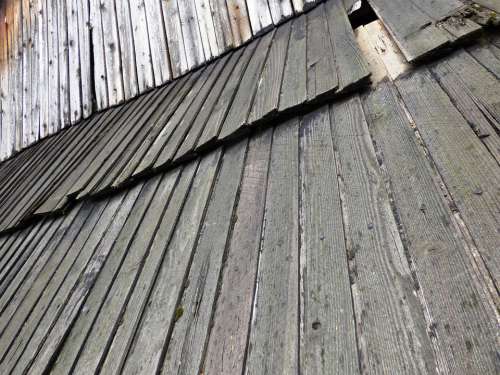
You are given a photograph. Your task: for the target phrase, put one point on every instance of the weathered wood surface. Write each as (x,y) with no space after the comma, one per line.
(325,244)
(421,28)
(63,60)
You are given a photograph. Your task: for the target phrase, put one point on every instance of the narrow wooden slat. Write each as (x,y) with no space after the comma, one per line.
(53,77)
(274,336)
(488,55)
(173,28)
(327,318)
(321,73)
(156,317)
(191,33)
(241,105)
(75,76)
(112,48)
(84,33)
(222,106)
(443,268)
(205,111)
(207,27)
(51,346)
(63,53)
(469,171)
(26,83)
(294,86)
(226,347)
(158,42)
(267,97)
(141,43)
(98,55)
(349,61)
(136,245)
(127,49)
(185,349)
(280,10)
(260,16)
(239,20)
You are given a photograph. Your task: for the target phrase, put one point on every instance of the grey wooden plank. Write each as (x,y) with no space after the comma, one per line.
(135,242)
(186,346)
(327,316)
(294,86)
(28,311)
(26,274)
(412,29)
(40,360)
(351,66)
(266,99)
(488,55)
(118,145)
(139,298)
(226,347)
(181,132)
(9,270)
(50,303)
(189,143)
(391,322)
(221,108)
(438,9)
(199,79)
(321,72)
(442,264)
(483,124)
(273,346)
(481,83)
(468,170)
(151,333)
(241,105)
(15,250)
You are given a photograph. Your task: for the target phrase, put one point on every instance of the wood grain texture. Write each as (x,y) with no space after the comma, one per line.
(274,338)
(328,337)
(468,170)
(441,259)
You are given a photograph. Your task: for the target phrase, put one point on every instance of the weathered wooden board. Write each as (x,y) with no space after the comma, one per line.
(441,258)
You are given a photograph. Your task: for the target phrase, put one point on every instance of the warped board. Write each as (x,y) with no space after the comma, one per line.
(277,254)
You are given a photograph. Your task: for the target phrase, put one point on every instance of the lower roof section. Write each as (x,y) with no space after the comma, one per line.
(360,237)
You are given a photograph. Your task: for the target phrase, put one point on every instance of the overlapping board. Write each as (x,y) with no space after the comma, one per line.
(420,28)
(302,63)
(284,243)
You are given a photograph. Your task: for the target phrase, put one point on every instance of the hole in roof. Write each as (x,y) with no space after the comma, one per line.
(361,13)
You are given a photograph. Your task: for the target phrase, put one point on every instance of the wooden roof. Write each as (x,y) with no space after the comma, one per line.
(274,212)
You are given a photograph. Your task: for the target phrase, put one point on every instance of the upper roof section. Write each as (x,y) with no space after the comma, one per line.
(61,61)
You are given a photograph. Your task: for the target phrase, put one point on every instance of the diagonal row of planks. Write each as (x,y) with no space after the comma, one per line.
(303,249)
(301,63)
(61,60)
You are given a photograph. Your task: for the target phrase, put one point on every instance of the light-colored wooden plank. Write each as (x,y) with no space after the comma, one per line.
(158,42)
(173,28)
(222,25)
(75,76)
(191,33)
(63,52)
(25,61)
(141,43)
(240,22)
(98,55)
(84,33)
(280,10)
(207,29)
(127,49)
(260,16)
(114,71)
